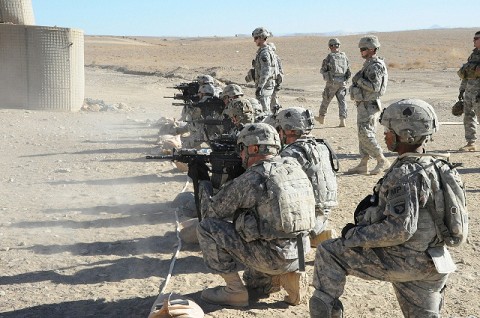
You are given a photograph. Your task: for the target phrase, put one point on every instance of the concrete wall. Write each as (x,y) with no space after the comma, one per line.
(16,12)
(41,67)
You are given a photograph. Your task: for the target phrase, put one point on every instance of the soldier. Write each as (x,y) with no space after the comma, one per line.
(336,72)
(367,86)
(230,92)
(470,94)
(265,69)
(207,107)
(294,126)
(240,111)
(271,196)
(395,237)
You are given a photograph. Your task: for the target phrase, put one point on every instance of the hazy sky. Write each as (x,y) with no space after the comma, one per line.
(227,18)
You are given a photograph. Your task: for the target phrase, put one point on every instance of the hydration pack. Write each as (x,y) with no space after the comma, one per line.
(290,207)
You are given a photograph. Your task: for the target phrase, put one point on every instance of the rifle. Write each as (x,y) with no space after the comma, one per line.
(222,163)
(189,92)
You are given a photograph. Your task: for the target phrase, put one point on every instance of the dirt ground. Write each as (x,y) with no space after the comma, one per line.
(87,228)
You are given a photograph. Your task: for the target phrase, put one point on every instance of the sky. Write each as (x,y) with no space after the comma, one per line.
(195,18)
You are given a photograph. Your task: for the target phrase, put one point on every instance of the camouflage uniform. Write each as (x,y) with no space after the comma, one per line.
(391,242)
(229,246)
(266,71)
(369,84)
(305,151)
(336,85)
(471,85)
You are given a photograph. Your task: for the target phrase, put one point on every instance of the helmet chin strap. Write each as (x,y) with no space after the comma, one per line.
(394,145)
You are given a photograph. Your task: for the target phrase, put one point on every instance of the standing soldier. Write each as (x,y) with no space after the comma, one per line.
(470,94)
(265,69)
(367,86)
(336,72)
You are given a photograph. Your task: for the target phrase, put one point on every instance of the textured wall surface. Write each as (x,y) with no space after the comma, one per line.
(41,67)
(17,12)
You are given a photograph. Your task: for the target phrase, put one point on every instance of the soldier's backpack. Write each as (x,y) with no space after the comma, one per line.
(338,67)
(450,211)
(290,198)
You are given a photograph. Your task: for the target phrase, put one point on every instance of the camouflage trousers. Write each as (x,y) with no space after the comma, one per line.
(418,286)
(266,97)
(224,251)
(471,110)
(334,89)
(367,117)
(274,100)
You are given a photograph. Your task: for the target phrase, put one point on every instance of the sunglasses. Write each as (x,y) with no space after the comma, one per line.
(256,38)
(476,38)
(363,49)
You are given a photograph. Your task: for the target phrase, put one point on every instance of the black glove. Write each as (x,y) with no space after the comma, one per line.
(198,170)
(460,95)
(346,228)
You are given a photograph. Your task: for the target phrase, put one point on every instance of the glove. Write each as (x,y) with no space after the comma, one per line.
(198,170)
(460,95)
(347,228)
(258,91)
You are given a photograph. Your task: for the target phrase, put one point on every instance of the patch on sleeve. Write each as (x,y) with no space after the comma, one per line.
(397,197)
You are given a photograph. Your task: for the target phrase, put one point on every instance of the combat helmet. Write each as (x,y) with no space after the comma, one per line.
(207,89)
(295,118)
(369,41)
(334,42)
(205,79)
(242,109)
(232,90)
(413,120)
(259,134)
(261,32)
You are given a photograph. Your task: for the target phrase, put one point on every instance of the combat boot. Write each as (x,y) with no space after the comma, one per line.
(361,168)
(470,146)
(382,165)
(342,122)
(319,308)
(295,284)
(323,236)
(234,294)
(320,119)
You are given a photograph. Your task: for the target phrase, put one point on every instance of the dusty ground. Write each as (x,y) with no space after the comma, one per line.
(86,224)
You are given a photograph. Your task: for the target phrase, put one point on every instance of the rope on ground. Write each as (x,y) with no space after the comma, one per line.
(179,247)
